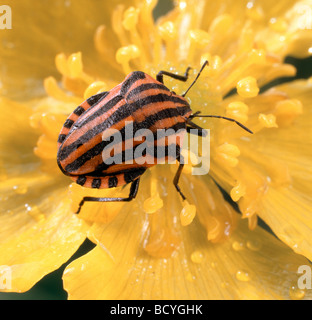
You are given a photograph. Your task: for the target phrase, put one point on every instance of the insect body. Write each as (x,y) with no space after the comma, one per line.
(144,102)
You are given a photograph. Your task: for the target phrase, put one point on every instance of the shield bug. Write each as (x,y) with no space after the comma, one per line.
(144,102)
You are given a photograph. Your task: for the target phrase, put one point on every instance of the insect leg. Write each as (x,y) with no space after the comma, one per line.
(132,194)
(177,176)
(176,180)
(160,75)
(201,132)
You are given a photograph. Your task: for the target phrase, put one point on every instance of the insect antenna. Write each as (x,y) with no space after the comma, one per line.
(200,71)
(197,114)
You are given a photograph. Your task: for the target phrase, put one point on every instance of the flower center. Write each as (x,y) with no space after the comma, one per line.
(239,65)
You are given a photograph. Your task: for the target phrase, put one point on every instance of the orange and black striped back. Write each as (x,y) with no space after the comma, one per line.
(139,102)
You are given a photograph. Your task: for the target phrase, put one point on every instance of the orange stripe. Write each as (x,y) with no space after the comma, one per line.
(141,114)
(112,93)
(146,93)
(166,123)
(91,164)
(147,79)
(85,105)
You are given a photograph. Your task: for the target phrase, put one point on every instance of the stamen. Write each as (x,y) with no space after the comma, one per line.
(146,22)
(75,66)
(53,90)
(117,25)
(256,186)
(243,64)
(247,87)
(154,202)
(45,148)
(61,64)
(49,122)
(287,111)
(71,67)
(94,88)
(129,22)
(168,33)
(238,191)
(221,24)
(228,154)
(157,50)
(187,214)
(215,62)
(130,18)
(267,120)
(103,43)
(190,160)
(199,40)
(99,39)
(125,54)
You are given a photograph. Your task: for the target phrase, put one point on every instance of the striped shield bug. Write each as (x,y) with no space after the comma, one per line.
(144,102)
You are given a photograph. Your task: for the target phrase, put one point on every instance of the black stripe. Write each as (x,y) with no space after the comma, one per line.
(76,164)
(157,152)
(144,87)
(161,115)
(135,76)
(68,123)
(79,111)
(61,138)
(96,183)
(81,180)
(67,150)
(120,114)
(110,104)
(133,174)
(97,97)
(127,109)
(161,97)
(97,149)
(112,182)
(171,150)
(98,174)
(128,154)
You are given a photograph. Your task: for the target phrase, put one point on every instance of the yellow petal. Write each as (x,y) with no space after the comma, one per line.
(288,214)
(262,268)
(56,28)
(42,247)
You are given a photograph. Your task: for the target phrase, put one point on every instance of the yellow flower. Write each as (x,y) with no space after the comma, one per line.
(158,247)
